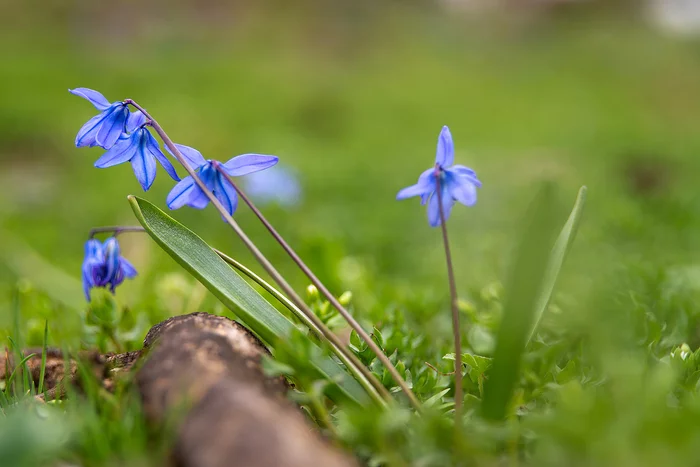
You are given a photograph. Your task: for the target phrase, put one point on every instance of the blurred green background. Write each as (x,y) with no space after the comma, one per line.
(352,95)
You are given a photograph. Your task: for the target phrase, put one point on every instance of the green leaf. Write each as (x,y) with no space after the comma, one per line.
(476,364)
(525,281)
(556,258)
(435,398)
(200,260)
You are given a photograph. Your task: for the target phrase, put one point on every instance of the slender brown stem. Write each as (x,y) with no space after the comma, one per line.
(117,229)
(327,294)
(453,302)
(352,362)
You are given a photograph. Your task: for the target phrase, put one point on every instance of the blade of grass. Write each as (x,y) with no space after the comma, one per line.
(44,350)
(523,287)
(12,375)
(557,257)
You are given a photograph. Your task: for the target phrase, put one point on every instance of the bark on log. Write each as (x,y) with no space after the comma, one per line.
(209,367)
(205,372)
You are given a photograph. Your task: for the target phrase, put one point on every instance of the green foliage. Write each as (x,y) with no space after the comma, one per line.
(519,312)
(609,376)
(250,307)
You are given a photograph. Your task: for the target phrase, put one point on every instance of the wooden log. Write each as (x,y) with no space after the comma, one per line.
(208,369)
(204,373)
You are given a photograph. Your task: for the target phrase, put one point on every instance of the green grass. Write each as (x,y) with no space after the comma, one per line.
(354,100)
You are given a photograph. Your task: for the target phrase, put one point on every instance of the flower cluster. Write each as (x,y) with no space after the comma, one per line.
(457,182)
(104,266)
(105,128)
(124,135)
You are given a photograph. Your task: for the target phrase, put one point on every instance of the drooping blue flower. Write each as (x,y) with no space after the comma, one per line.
(117,268)
(187,192)
(93,266)
(277,185)
(142,150)
(105,128)
(103,266)
(457,182)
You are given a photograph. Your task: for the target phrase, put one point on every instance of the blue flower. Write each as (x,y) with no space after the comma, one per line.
(103,266)
(187,192)
(142,150)
(105,128)
(457,182)
(277,185)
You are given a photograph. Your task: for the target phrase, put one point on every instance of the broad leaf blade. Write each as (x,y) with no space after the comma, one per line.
(523,287)
(556,258)
(233,291)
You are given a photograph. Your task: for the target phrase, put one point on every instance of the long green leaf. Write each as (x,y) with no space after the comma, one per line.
(233,291)
(524,283)
(556,258)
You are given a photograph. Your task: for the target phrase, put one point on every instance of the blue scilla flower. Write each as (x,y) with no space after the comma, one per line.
(103,266)
(142,150)
(188,193)
(278,185)
(457,182)
(105,128)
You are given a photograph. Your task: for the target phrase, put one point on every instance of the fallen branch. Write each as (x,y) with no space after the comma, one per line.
(201,375)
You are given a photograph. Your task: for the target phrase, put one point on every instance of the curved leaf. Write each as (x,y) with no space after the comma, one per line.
(557,256)
(234,292)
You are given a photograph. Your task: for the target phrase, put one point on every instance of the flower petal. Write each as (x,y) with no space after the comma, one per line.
(225,193)
(93,250)
(462,189)
(86,134)
(134,120)
(191,155)
(115,280)
(121,152)
(180,193)
(127,269)
(198,199)
(413,190)
(465,172)
(112,127)
(111,249)
(445,154)
(426,184)
(95,98)
(434,211)
(144,165)
(248,163)
(153,147)
(90,278)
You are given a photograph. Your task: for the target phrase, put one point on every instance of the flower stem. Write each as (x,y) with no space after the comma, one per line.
(359,371)
(117,229)
(453,302)
(327,294)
